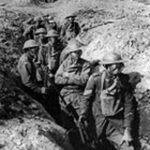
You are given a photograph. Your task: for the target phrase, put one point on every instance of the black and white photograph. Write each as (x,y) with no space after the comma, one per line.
(75,74)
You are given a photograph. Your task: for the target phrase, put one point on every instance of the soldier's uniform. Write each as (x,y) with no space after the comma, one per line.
(49,55)
(73,86)
(110,101)
(27,71)
(70,30)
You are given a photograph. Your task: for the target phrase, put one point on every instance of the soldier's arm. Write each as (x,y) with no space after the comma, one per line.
(81,78)
(87,95)
(128,108)
(26,78)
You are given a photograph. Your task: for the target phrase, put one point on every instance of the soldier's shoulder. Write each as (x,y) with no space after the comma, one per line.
(84,61)
(96,75)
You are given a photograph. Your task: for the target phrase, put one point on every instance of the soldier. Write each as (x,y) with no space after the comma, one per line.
(50,54)
(27,70)
(70,29)
(48,60)
(39,36)
(72,76)
(108,97)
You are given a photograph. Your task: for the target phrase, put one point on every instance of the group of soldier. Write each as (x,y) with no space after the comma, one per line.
(55,75)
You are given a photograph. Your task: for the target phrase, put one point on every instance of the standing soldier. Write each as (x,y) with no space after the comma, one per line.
(108,97)
(27,70)
(72,76)
(39,36)
(48,59)
(49,56)
(70,29)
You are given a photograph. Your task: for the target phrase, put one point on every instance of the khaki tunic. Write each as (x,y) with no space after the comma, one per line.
(73,86)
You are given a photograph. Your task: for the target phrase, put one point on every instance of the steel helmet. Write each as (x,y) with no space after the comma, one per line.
(30,44)
(74,46)
(40,31)
(52,33)
(111,58)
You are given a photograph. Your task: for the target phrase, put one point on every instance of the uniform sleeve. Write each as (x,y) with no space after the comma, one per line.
(25,73)
(128,108)
(81,78)
(59,78)
(88,93)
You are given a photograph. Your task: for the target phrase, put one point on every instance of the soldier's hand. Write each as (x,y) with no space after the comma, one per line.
(44,90)
(127,138)
(83,119)
(72,68)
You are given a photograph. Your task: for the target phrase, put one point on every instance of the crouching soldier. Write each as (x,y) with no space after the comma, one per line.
(70,29)
(27,70)
(72,76)
(109,98)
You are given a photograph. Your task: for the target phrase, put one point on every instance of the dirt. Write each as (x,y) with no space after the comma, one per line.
(107,25)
